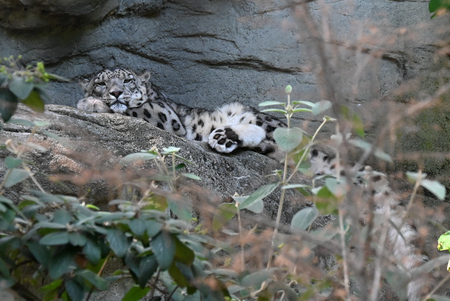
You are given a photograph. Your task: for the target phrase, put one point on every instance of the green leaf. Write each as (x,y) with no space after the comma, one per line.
(62,216)
(94,279)
(294,186)
(258,195)
(326,201)
(16,176)
(77,239)
(178,276)
(74,290)
(225,212)
(444,242)
(304,102)
(117,242)
(41,123)
(55,238)
(62,262)
(147,268)
(8,104)
(136,293)
(3,77)
(337,188)
(288,138)
(415,176)
(255,280)
(178,166)
(191,176)
(20,87)
(137,226)
(378,152)
(256,207)
(57,77)
(321,106)
(434,5)
(301,110)
(40,252)
(21,122)
(6,200)
(12,162)
(132,262)
(182,252)
(138,157)
(6,220)
(303,219)
(398,280)
(52,286)
(92,251)
(93,207)
(34,102)
(170,150)
(164,248)
(153,227)
(275,110)
(271,103)
(351,116)
(434,187)
(181,208)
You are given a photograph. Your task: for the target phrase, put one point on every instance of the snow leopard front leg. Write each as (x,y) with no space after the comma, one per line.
(92,104)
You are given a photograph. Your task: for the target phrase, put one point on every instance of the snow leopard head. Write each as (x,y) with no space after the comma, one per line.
(119,89)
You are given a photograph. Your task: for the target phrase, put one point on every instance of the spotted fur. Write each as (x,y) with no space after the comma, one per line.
(226,128)
(374,185)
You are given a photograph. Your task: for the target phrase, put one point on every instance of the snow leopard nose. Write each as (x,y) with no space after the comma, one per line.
(116,93)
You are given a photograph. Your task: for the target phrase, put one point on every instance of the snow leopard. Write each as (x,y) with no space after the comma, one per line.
(373,186)
(233,126)
(225,129)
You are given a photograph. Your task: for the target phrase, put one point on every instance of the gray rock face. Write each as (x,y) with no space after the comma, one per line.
(206,53)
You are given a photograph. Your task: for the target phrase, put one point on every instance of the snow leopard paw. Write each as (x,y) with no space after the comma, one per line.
(224,140)
(92,104)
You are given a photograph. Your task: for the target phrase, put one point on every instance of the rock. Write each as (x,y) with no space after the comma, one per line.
(86,157)
(204,53)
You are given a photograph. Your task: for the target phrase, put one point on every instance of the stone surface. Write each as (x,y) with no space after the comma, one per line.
(86,158)
(85,153)
(206,53)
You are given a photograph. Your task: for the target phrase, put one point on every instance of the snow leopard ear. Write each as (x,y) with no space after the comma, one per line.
(145,77)
(84,84)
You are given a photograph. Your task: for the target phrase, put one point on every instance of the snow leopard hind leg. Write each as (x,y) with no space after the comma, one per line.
(253,131)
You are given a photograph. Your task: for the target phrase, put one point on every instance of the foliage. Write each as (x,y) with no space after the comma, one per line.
(66,244)
(24,85)
(444,244)
(438,7)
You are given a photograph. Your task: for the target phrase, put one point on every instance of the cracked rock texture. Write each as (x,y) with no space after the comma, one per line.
(206,53)
(86,157)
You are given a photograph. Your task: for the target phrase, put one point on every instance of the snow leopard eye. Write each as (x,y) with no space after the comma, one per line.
(100,86)
(128,80)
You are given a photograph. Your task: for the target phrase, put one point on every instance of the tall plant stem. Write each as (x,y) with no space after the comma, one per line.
(344,254)
(241,238)
(280,208)
(307,150)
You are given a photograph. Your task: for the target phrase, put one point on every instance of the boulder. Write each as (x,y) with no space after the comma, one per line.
(78,154)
